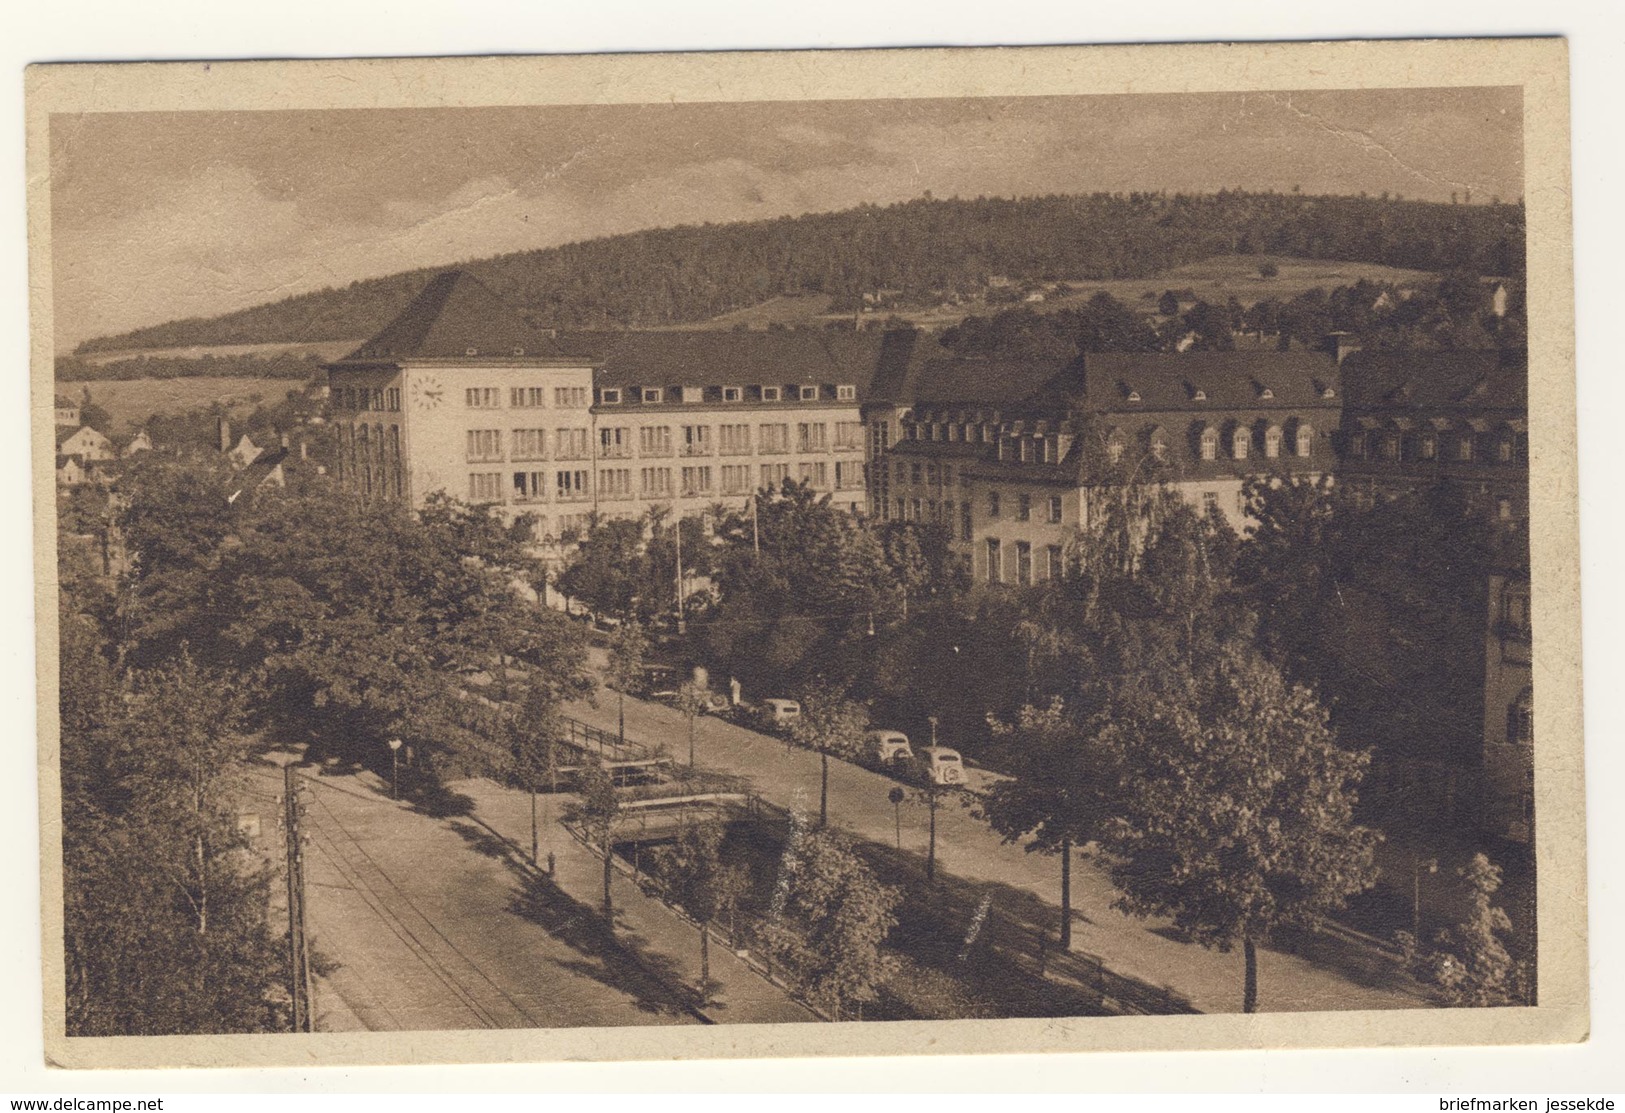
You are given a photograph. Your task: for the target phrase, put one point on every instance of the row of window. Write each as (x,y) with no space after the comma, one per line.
(693,395)
(362,399)
(574,485)
(485,445)
(525,397)
(1504,448)
(1023,572)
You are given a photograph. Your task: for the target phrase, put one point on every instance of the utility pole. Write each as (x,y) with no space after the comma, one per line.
(682,626)
(298,942)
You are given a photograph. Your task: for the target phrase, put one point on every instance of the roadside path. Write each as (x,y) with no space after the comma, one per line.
(967,848)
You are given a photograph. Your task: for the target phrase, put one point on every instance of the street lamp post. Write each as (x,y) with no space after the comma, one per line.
(394,768)
(896,798)
(1418,865)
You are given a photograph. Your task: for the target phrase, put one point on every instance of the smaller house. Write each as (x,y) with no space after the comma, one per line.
(141,442)
(245,453)
(86,443)
(67,412)
(70,470)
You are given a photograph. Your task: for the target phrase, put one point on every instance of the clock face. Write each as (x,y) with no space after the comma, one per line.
(427,392)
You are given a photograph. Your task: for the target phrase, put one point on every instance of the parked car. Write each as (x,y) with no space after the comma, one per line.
(889,746)
(657,682)
(942,766)
(780,713)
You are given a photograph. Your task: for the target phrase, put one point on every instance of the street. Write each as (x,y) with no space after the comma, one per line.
(967,848)
(431,927)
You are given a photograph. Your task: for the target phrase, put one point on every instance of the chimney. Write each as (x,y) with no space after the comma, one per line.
(225,433)
(284,440)
(304,447)
(1342,345)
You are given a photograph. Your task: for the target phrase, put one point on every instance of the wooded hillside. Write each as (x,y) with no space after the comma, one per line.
(922,247)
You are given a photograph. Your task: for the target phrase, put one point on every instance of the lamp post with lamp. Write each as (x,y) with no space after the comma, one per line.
(394,768)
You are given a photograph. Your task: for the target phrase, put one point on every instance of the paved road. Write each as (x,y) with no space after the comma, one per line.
(434,928)
(967,848)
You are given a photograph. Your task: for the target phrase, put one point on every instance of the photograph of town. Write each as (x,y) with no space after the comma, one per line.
(792,562)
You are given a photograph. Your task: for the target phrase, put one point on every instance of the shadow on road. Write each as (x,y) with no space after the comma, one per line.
(612,958)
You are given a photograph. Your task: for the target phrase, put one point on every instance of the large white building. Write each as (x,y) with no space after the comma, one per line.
(460,394)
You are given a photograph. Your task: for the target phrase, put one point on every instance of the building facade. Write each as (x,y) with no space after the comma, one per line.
(1010,456)
(459,394)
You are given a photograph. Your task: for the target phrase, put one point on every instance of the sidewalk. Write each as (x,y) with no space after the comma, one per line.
(664,940)
(1027,885)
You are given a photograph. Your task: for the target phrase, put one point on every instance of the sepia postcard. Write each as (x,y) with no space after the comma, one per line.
(885,552)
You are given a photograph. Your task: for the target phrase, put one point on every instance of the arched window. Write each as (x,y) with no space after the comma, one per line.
(1306,440)
(1428,446)
(1240,440)
(1521,719)
(1272,441)
(1390,446)
(1159,445)
(1464,446)
(1210,444)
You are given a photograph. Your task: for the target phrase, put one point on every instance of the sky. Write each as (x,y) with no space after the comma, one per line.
(157,216)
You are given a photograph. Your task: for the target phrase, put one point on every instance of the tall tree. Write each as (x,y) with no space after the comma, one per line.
(829,724)
(1238,817)
(165,924)
(707,887)
(832,921)
(598,811)
(1059,793)
(627,647)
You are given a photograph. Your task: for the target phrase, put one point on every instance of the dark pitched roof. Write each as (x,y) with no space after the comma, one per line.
(1210,380)
(1486,379)
(973,381)
(715,358)
(457,317)
(904,356)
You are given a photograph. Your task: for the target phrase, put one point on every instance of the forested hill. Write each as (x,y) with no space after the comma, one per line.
(923,247)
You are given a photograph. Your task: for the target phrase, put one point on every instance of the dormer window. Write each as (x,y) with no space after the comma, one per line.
(1210,444)
(1240,442)
(733,394)
(771,393)
(1328,392)
(1114,447)
(846,392)
(654,395)
(519,351)
(1306,440)
(809,394)
(1266,394)
(610,396)
(692,394)
(1199,395)
(471,351)
(1133,396)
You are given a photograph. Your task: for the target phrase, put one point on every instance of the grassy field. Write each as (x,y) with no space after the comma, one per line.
(1214,280)
(131,402)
